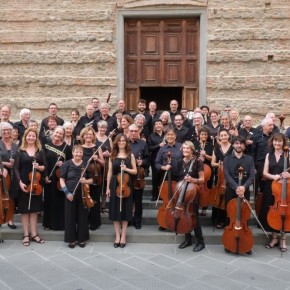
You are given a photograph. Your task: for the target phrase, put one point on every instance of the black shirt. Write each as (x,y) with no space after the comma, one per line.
(248,135)
(44,123)
(184,167)
(140,147)
(182,134)
(112,123)
(153,144)
(260,146)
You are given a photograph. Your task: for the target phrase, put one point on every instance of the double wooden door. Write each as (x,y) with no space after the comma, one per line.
(162,53)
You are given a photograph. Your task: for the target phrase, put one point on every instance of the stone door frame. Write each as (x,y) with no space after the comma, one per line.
(162,13)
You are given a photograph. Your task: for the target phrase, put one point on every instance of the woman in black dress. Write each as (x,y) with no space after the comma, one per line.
(221,150)
(273,170)
(29,205)
(121,158)
(76,212)
(88,141)
(56,152)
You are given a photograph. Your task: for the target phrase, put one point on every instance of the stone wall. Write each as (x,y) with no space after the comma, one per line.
(64,51)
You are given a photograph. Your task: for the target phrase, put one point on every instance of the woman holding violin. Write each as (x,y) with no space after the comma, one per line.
(192,173)
(274,170)
(106,148)
(222,149)
(30,166)
(122,165)
(88,141)
(8,153)
(56,152)
(74,181)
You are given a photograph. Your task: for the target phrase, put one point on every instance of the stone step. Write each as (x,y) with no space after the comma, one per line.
(147,234)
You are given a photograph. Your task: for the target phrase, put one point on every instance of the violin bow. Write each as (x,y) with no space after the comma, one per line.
(108,98)
(31,184)
(88,162)
(121,186)
(57,161)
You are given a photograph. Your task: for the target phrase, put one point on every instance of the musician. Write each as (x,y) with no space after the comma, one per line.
(186,121)
(52,112)
(56,152)
(106,148)
(45,136)
(8,153)
(156,141)
(173,109)
(198,123)
(182,133)
(88,119)
(22,125)
(272,116)
(30,155)
(5,114)
(235,119)
(273,170)
(196,176)
(139,121)
(221,150)
(166,120)
(88,141)
(68,134)
(95,103)
(33,124)
(153,113)
(260,149)
(121,152)
(248,131)
(121,107)
(226,123)
(205,149)
(15,135)
(214,125)
(77,126)
(76,212)
(140,150)
(126,121)
(205,114)
(104,116)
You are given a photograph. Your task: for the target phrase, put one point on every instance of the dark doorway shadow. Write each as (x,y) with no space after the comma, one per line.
(162,96)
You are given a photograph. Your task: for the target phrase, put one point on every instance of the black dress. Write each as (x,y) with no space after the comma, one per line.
(114,206)
(268,199)
(23,166)
(53,215)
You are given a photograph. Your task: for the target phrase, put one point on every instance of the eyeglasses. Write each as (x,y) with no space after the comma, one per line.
(133,130)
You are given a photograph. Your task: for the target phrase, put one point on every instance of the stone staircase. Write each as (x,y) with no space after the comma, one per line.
(149,232)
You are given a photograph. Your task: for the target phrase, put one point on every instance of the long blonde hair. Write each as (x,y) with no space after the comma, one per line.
(24,142)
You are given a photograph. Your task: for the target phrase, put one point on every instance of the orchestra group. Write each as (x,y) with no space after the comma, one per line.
(77,171)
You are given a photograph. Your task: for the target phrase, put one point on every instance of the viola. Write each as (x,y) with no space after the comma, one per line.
(180,216)
(6,203)
(88,202)
(165,193)
(238,237)
(34,187)
(123,189)
(139,181)
(217,192)
(279,214)
(96,170)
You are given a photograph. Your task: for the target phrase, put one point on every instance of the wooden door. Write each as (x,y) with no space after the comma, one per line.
(162,53)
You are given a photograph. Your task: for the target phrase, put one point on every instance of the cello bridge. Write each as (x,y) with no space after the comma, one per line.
(238,228)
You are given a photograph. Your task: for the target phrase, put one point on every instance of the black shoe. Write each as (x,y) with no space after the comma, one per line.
(82,245)
(72,245)
(162,229)
(122,245)
(12,227)
(138,226)
(198,247)
(249,253)
(93,228)
(185,244)
(153,198)
(116,245)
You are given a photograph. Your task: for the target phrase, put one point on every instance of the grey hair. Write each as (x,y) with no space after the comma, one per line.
(24,111)
(102,123)
(266,121)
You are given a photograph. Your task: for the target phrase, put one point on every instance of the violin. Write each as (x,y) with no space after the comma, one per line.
(96,170)
(217,192)
(279,214)
(139,181)
(34,188)
(180,217)
(238,237)
(6,203)
(165,192)
(88,202)
(123,189)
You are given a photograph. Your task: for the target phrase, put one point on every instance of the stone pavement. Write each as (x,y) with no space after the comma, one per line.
(138,266)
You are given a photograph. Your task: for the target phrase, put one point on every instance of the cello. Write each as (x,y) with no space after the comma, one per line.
(165,192)
(204,191)
(279,214)
(6,203)
(238,237)
(180,217)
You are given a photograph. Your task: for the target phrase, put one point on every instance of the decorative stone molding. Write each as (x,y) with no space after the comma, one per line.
(144,3)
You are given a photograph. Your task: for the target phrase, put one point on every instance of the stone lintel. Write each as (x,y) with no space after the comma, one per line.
(147,3)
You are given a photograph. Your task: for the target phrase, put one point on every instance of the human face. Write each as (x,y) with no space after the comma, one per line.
(178,121)
(58,134)
(239,147)
(203,136)
(102,130)
(33,125)
(197,120)
(26,117)
(52,110)
(90,111)
(122,143)
(89,136)
(173,106)
(277,144)
(15,134)
(234,115)
(133,133)
(204,111)
(268,127)
(105,111)
(6,133)
(186,151)
(74,116)
(68,131)
(164,119)
(124,124)
(51,124)
(227,110)
(139,122)
(184,113)
(170,138)
(225,121)
(214,118)
(152,107)
(119,116)
(121,105)
(31,138)
(95,103)
(247,122)
(158,126)
(5,113)
(224,137)
(141,107)
(78,154)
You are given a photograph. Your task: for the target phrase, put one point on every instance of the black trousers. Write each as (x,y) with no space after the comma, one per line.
(76,220)
(155,180)
(95,211)
(137,200)
(260,183)
(197,230)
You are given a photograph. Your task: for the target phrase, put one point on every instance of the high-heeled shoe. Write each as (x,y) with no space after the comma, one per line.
(122,245)
(271,244)
(282,249)
(116,245)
